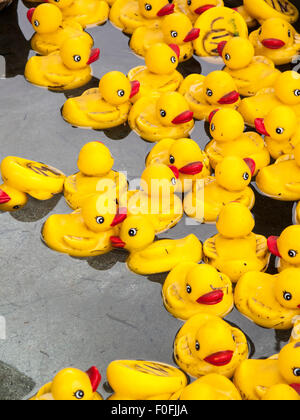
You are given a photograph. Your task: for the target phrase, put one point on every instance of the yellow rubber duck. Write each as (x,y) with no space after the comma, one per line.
(156,198)
(295,335)
(206,344)
(161,116)
(86,12)
(71,385)
(159,74)
(265,9)
(286,91)
(191,288)
(128,15)
(95,174)
(24,177)
(277,40)
(254,378)
(194,8)
(66,69)
(281,392)
(175,29)
(236,250)
(229,139)
(281,180)
(249,72)
(148,257)
(212,387)
(144,380)
(87,231)
(269,301)
(206,93)
(230,183)
(104,107)
(51,30)
(216,25)
(286,247)
(185,158)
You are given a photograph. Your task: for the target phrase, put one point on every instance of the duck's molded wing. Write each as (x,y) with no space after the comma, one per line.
(209,248)
(159,249)
(80,243)
(261,246)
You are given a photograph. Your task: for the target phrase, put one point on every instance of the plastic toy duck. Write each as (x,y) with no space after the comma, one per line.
(95,174)
(236,250)
(262,10)
(148,257)
(161,116)
(249,72)
(156,198)
(175,29)
(286,247)
(286,91)
(206,93)
(129,15)
(66,69)
(281,180)
(24,177)
(192,288)
(143,380)
(216,25)
(194,8)
(104,107)
(270,301)
(277,40)
(212,387)
(227,129)
(51,31)
(281,392)
(85,12)
(71,385)
(159,74)
(254,378)
(87,231)
(185,157)
(230,183)
(206,344)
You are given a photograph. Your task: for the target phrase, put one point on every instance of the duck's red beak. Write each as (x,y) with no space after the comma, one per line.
(212,298)
(230,98)
(94,56)
(252,165)
(183,118)
(95,377)
(120,216)
(4,198)
(260,127)
(221,47)
(222,358)
(273,43)
(135,88)
(204,8)
(272,245)
(296,387)
(176,49)
(192,168)
(168,9)
(117,242)
(192,35)
(174,170)
(212,114)
(30,14)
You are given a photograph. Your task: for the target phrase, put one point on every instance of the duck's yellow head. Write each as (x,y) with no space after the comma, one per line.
(226,125)
(74,385)
(287,245)
(281,392)
(287,88)
(173,109)
(116,89)
(178,29)
(95,159)
(152,9)
(289,364)
(186,157)
(158,180)
(280,124)
(276,33)
(220,88)
(235,221)
(201,6)
(234,173)
(76,53)
(45,19)
(161,59)
(62,4)
(237,53)
(287,289)
(11,199)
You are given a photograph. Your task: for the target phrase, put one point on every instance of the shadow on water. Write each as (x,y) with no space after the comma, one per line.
(14,385)
(36,210)
(107,261)
(118,133)
(93,83)
(190,66)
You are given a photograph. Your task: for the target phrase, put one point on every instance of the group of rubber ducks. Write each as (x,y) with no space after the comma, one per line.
(210,186)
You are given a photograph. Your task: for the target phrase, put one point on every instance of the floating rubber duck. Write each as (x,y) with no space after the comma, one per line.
(229,139)
(286,247)
(159,74)
(216,25)
(276,40)
(206,93)
(191,288)
(263,10)
(236,250)
(24,177)
(207,344)
(87,231)
(281,180)
(254,378)
(161,116)
(51,30)
(156,198)
(281,392)
(186,159)
(269,301)
(230,183)
(95,174)
(143,380)
(175,29)
(249,72)
(66,69)
(148,257)
(212,387)
(286,91)
(71,385)
(86,12)
(194,8)
(104,107)
(129,15)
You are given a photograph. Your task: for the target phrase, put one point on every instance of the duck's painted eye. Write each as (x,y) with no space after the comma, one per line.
(173,59)
(16,207)
(132,232)
(297,92)
(260,31)
(296,371)
(292,253)
(246,176)
(212,127)
(197,346)
(36,23)
(173,181)
(174,34)
(100,220)
(79,395)
(121,92)
(148,7)
(287,296)
(209,92)
(172,160)
(227,57)
(189,2)
(279,130)
(188,289)
(163,113)
(289,33)
(77,58)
